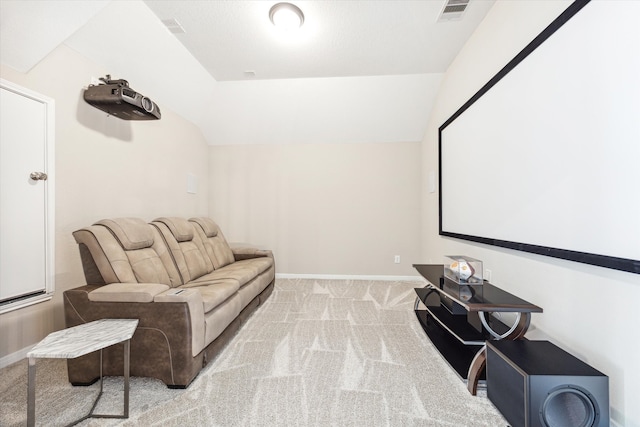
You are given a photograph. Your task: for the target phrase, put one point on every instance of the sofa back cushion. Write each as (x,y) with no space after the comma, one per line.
(124,250)
(215,244)
(131,233)
(190,260)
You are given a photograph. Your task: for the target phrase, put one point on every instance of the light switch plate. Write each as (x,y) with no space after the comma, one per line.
(192,183)
(432,182)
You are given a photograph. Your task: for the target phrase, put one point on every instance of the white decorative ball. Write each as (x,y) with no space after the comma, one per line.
(462,269)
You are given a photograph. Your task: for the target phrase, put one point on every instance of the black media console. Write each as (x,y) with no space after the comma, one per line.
(458,320)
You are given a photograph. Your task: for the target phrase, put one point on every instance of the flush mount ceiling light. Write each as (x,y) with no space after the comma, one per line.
(286,16)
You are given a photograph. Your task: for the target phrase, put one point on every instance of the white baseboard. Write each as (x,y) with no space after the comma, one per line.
(349,277)
(12,358)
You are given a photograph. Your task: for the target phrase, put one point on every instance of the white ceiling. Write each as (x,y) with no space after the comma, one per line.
(30,30)
(337,39)
(360,71)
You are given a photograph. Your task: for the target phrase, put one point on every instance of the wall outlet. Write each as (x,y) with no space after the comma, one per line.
(487,275)
(396,259)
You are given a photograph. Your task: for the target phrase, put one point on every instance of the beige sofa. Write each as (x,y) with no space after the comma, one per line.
(189,289)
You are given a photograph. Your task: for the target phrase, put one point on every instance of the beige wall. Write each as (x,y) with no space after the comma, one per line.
(589,311)
(105,167)
(332,209)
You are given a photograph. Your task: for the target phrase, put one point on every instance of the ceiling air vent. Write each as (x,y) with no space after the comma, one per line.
(174,26)
(453,10)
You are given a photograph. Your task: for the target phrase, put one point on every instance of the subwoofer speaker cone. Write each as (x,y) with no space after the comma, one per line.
(569,406)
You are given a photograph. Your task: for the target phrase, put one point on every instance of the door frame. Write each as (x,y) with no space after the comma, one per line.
(49,204)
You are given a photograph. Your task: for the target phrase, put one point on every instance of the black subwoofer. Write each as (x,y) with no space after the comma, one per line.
(535,383)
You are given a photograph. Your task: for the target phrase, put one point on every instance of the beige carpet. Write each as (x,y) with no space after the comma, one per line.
(318,353)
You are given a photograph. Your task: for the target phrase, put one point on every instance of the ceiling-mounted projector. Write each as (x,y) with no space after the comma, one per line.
(116,98)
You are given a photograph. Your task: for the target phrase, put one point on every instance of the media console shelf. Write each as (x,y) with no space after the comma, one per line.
(458,321)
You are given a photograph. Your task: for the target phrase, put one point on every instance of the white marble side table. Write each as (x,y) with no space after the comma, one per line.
(75,342)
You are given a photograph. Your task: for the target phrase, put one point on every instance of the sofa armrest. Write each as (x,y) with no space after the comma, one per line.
(193,298)
(167,344)
(127,292)
(240,253)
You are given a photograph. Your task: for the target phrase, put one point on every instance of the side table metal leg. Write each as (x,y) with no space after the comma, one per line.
(101,380)
(31,393)
(475,370)
(127,348)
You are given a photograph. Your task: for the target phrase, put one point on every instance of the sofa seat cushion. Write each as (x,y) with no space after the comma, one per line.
(216,293)
(127,292)
(217,320)
(242,271)
(257,265)
(248,292)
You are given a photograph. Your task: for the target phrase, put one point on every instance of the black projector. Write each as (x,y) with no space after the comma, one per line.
(116,98)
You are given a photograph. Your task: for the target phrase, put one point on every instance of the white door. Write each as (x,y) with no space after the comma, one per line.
(26,197)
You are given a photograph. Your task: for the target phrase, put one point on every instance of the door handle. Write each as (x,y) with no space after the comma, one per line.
(38,176)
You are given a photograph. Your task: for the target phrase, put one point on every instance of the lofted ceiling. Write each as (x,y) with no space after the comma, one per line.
(356,71)
(234,40)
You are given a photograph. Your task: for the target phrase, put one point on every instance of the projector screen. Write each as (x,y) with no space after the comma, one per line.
(545,158)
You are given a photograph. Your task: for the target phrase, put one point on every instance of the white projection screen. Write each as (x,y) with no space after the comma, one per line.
(545,158)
